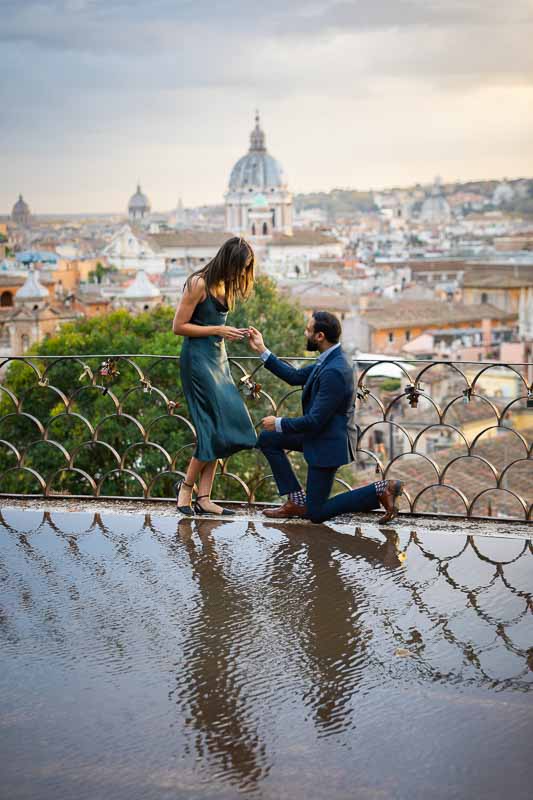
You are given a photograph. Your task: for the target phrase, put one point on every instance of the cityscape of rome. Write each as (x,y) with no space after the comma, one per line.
(442,271)
(266,400)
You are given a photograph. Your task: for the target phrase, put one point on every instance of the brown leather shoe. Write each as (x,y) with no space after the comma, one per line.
(288,509)
(389,500)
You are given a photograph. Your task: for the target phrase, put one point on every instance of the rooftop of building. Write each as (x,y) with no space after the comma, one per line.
(188,238)
(302,237)
(521,276)
(402,313)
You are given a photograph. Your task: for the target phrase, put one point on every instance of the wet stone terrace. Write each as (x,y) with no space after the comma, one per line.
(146,656)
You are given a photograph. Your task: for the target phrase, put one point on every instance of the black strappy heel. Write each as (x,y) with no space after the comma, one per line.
(202,512)
(188,511)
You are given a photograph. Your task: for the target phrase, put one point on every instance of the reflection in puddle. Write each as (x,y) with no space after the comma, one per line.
(154,657)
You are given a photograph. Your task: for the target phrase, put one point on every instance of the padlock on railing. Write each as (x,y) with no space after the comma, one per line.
(467,395)
(529,403)
(147,386)
(172,406)
(253,388)
(362,393)
(412,393)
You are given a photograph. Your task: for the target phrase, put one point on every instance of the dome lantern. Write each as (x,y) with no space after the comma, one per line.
(139,205)
(257,137)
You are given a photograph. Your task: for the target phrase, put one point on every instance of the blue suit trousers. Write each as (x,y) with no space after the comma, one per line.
(320,507)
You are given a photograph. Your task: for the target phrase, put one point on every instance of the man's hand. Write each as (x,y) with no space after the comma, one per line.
(256,340)
(269,423)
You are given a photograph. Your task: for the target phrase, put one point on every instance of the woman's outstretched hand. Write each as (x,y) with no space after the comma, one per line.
(232,334)
(256,340)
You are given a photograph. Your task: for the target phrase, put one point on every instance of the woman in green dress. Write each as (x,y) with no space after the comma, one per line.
(221,420)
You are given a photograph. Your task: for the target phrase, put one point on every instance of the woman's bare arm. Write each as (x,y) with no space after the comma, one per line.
(182,326)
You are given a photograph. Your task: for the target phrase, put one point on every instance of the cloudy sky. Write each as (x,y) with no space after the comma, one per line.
(97,94)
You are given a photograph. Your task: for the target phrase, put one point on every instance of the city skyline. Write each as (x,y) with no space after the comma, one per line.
(366,95)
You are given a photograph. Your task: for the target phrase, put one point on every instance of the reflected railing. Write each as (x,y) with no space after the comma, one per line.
(454,595)
(458,433)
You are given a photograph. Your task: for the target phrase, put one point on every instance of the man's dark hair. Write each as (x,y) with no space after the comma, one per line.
(328,324)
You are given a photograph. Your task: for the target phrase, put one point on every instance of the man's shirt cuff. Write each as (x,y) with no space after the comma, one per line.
(264,355)
(278,424)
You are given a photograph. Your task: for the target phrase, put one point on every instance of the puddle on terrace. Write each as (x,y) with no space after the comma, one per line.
(142,657)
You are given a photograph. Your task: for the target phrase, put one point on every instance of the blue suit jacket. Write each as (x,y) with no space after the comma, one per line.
(326,397)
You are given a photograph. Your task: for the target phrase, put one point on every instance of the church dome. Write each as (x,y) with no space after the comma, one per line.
(257,170)
(21,211)
(435,208)
(139,202)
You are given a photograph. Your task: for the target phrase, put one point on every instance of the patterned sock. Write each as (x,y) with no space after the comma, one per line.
(380,487)
(298,497)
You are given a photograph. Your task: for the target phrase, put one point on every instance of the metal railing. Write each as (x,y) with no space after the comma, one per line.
(459,434)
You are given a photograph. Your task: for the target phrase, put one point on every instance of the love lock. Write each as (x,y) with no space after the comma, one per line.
(108,369)
(254,389)
(412,394)
(529,403)
(467,395)
(362,393)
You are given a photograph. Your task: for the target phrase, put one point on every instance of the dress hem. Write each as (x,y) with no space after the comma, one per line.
(226,453)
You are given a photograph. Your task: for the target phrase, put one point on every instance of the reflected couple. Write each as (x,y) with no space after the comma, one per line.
(318,612)
(210,689)
(333,631)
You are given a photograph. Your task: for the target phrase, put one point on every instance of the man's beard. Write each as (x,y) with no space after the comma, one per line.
(311,345)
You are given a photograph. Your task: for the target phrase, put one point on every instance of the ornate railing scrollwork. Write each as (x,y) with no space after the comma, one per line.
(458,433)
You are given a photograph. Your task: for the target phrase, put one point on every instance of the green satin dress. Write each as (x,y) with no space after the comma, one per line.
(216,407)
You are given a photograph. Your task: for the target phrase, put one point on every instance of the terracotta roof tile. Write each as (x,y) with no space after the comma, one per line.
(390,314)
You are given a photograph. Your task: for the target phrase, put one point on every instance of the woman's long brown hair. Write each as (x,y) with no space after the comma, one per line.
(229,267)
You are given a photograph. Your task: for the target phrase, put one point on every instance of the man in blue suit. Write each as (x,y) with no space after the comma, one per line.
(320,432)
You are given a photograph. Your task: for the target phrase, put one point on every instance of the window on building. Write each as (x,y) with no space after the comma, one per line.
(391,337)
(24,342)
(6,299)
(265,229)
(253,229)
(407,336)
(484,297)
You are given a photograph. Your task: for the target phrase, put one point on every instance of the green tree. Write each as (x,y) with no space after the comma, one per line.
(131,418)
(99,272)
